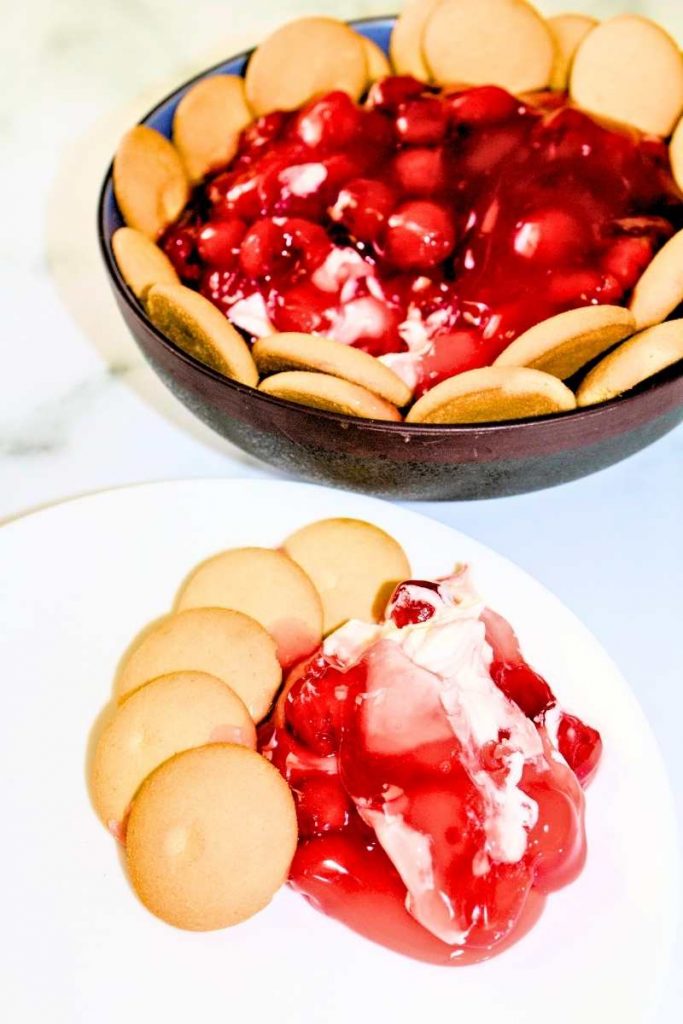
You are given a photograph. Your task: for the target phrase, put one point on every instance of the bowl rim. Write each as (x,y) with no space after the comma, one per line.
(124,293)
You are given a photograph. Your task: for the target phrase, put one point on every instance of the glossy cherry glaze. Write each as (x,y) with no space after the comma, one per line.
(430,228)
(344,776)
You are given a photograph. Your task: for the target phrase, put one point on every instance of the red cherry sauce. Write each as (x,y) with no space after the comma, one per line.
(346,777)
(427,227)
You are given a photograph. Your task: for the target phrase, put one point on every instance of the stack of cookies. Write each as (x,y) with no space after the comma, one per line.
(209,825)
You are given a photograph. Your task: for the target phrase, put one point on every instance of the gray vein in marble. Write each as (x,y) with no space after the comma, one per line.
(46,430)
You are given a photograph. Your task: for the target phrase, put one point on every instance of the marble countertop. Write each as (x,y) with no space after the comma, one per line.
(80,410)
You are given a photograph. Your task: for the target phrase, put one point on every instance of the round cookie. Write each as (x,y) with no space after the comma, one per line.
(629,69)
(676,154)
(141,262)
(491,394)
(564,343)
(225,643)
(405,45)
(195,325)
(569,31)
(489,42)
(173,713)
(292,351)
(150,183)
(266,585)
(376,60)
(639,358)
(355,567)
(332,394)
(208,122)
(211,836)
(302,59)
(660,290)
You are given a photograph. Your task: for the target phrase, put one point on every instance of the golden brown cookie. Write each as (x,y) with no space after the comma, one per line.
(150,183)
(629,69)
(354,565)
(676,154)
(195,325)
(564,343)
(291,351)
(208,122)
(489,42)
(211,836)
(569,31)
(222,642)
(639,358)
(376,60)
(173,713)
(321,391)
(660,289)
(266,585)
(490,394)
(302,59)
(405,46)
(141,262)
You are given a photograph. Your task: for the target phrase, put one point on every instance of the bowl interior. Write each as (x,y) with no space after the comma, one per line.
(110,219)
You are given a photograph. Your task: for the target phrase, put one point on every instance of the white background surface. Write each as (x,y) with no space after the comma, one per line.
(79,410)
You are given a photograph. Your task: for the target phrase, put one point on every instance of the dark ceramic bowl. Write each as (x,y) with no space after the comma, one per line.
(390,459)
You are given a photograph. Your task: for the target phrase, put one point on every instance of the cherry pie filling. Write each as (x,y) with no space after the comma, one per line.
(429,228)
(438,783)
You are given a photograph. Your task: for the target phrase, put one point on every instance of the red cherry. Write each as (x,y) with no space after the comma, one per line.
(276,247)
(550,236)
(627,258)
(485,152)
(263,131)
(569,134)
(610,291)
(420,171)
(483,105)
(260,247)
(521,684)
(225,287)
(343,167)
(376,129)
(294,188)
(421,121)
(219,241)
(391,92)
(452,353)
(580,746)
(314,707)
(180,245)
(322,805)
(235,195)
(363,206)
(303,308)
(413,601)
(575,288)
(419,235)
(329,122)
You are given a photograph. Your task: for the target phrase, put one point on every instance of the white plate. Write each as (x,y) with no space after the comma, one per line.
(78,581)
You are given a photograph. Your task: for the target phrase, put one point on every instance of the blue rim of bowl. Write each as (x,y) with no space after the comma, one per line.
(383,24)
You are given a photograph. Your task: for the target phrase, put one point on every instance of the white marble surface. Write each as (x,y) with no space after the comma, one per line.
(80,410)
